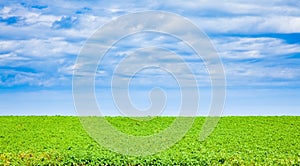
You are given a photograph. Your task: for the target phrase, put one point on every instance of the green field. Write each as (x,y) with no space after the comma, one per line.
(59,140)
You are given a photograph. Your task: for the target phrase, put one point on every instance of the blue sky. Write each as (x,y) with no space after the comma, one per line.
(258,42)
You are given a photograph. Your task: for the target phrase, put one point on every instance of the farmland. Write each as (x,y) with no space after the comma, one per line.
(60,140)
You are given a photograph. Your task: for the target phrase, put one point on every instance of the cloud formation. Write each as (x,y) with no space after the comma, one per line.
(47,36)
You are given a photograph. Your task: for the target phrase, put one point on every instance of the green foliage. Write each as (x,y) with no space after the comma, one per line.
(61,140)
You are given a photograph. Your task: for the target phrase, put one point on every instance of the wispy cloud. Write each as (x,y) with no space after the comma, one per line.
(258,42)
(254,48)
(50,34)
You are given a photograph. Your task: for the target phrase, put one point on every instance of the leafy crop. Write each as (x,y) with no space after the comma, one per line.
(58,140)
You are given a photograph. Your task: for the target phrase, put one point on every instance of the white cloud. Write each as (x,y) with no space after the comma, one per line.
(51,47)
(259,47)
(5,10)
(10,57)
(240,16)
(38,18)
(249,24)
